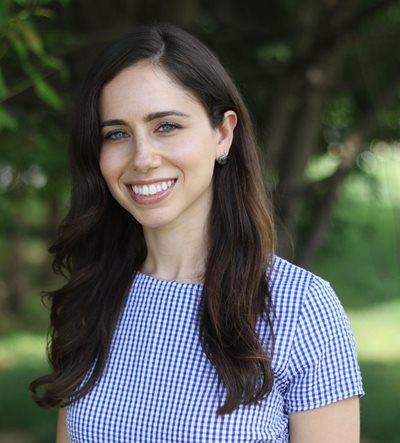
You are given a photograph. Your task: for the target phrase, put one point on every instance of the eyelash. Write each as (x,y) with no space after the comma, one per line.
(172,125)
(112,134)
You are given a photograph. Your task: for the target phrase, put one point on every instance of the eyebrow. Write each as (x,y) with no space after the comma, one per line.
(148,118)
(162,114)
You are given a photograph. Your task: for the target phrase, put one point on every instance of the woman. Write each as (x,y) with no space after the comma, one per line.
(177,322)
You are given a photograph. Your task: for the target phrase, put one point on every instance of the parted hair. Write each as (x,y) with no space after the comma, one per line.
(100,245)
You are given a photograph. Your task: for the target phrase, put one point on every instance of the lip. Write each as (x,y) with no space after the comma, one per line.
(150,199)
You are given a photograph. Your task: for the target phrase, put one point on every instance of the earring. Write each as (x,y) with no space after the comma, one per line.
(223,158)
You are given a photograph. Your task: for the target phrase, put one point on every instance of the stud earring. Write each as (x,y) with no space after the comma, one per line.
(223,158)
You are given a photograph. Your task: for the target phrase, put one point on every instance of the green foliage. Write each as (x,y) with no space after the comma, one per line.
(7,121)
(340,112)
(273,53)
(35,158)
(48,94)
(23,51)
(32,137)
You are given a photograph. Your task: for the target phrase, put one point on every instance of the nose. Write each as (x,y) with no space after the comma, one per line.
(144,156)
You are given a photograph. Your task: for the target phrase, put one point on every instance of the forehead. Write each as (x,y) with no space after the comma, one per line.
(144,87)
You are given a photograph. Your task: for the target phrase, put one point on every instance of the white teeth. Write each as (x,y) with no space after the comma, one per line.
(153,188)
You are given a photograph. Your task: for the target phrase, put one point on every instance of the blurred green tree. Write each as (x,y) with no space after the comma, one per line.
(321,78)
(32,136)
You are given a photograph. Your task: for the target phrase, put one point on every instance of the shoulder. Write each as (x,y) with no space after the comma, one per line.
(315,356)
(294,289)
(285,277)
(306,311)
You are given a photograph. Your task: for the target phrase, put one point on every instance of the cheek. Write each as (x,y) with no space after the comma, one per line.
(109,165)
(197,149)
(110,171)
(200,171)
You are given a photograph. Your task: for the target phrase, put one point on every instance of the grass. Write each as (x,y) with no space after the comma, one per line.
(380,406)
(377,330)
(22,359)
(361,260)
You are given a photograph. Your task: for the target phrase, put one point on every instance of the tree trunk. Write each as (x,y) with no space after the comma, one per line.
(303,140)
(302,109)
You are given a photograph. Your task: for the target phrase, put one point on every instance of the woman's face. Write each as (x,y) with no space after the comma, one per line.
(158,148)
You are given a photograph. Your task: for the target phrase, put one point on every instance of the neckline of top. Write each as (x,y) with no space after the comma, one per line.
(169,282)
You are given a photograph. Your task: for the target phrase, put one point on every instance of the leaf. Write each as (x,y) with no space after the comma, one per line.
(54,63)
(29,69)
(31,37)
(3,11)
(7,121)
(19,46)
(3,86)
(43,12)
(48,94)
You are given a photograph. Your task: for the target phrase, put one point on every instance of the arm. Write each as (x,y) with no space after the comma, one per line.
(338,422)
(62,435)
(323,369)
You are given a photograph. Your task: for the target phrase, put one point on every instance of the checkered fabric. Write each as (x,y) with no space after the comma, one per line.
(158,385)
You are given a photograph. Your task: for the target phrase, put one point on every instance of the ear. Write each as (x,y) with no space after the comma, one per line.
(225,133)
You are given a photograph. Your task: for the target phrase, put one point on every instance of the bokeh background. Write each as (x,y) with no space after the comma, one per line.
(322,80)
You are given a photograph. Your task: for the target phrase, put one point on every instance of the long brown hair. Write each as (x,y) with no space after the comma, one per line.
(100,245)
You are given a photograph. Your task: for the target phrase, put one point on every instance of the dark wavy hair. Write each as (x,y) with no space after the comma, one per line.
(100,246)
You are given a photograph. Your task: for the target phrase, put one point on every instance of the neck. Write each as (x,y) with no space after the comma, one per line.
(177,253)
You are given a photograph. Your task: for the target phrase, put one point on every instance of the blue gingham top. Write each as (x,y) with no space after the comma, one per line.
(158,385)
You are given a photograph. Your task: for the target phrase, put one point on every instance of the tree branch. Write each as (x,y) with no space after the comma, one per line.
(336,35)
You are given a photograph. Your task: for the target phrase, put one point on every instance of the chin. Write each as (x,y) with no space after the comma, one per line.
(152,222)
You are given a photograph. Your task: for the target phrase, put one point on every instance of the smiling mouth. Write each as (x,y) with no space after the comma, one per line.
(152,189)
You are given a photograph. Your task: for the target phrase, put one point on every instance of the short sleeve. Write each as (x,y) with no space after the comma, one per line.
(322,366)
